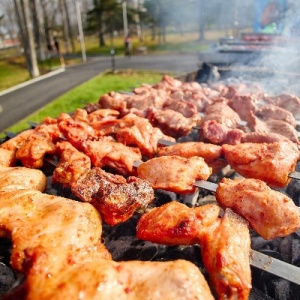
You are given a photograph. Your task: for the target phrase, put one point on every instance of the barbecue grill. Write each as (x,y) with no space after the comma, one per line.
(123,245)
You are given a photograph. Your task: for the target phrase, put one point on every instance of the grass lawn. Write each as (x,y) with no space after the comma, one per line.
(88,92)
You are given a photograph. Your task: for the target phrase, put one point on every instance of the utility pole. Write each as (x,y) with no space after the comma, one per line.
(81,37)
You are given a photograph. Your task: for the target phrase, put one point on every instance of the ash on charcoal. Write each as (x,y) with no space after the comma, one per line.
(7,278)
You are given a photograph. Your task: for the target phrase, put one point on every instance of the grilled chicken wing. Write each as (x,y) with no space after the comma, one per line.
(176,224)
(7,158)
(270,213)
(174,173)
(72,164)
(91,277)
(15,178)
(210,152)
(33,219)
(32,153)
(14,143)
(115,197)
(270,162)
(225,249)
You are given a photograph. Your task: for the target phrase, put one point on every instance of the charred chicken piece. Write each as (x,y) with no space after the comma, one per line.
(72,164)
(174,173)
(115,197)
(225,249)
(176,224)
(210,152)
(270,213)
(86,275)
(270,162)
(112,154)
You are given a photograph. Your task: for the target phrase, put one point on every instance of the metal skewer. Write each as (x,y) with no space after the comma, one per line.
(257,259)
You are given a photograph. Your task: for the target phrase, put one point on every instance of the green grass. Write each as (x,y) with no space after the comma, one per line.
(88,92)
(12,73)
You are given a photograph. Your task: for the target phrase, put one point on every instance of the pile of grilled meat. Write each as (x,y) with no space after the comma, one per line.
(124,173)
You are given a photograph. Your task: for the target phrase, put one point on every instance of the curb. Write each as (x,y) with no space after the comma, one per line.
(31,81)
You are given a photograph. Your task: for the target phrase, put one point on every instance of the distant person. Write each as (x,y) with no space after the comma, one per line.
(56,45)
(128,46)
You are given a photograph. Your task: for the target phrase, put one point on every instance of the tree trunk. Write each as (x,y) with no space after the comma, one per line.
(34,70)
(37,30)
(101,31)
(70,31)
(65,25)
(22,33)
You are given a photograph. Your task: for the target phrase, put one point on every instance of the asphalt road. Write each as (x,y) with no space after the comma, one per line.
(22,101)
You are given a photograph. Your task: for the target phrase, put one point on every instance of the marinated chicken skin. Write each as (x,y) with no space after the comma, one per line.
(20,178)
(225,249)
(174,173)
(14,143)
(7,158)
(142,135)
(270,162)
(91,277)
(270,213)
(176,224)
(210,152)
(115,197)
(48,220)
(32,153)
(112,154)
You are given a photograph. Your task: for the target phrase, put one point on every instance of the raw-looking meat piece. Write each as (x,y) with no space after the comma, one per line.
(275,112)
(219,134)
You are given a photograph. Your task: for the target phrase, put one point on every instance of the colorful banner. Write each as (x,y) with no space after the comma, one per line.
(269,16)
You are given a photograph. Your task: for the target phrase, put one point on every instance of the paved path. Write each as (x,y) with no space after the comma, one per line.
(19,102)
